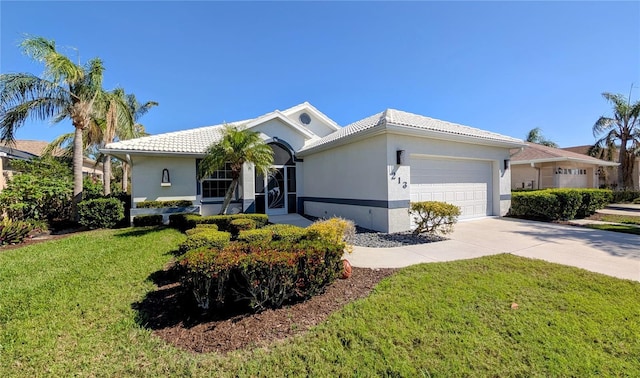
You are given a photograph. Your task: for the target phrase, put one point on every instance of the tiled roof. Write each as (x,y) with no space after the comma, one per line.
(537,152)
(185,141)
(410,120)
(192,141)
(32,147)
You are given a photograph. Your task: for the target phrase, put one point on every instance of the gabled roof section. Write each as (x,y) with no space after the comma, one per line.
(537,153)
(312,109)
(401,121)
(196,141)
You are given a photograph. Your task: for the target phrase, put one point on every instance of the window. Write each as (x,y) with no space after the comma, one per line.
(216,185)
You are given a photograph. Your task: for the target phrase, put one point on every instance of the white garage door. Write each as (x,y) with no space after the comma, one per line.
(465,183)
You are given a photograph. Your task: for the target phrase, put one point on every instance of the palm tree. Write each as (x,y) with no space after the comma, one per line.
(237,146)
(66,91)
(535,136)
(118,114)
(622,130)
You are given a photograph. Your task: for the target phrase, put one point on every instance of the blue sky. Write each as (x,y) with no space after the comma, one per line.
(506,67)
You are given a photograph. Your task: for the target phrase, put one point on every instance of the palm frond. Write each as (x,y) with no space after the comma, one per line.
(58,67)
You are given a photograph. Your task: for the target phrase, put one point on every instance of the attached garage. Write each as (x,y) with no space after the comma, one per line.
(464,183)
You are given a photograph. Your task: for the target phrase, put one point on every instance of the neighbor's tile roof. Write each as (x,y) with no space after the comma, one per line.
(410,120)
(32,147)
(537,152)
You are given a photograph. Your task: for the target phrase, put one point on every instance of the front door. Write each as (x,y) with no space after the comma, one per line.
(276,192)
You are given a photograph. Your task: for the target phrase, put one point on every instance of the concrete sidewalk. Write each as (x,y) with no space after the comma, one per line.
(605,252)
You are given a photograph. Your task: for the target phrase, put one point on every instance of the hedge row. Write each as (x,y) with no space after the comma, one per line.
(261,276)
(184,222)
(265,267)
(147,220)
(160,204)
(559,204)
(625,196)
(100,212)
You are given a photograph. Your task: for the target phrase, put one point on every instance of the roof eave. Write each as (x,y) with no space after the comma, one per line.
(565,159)
(373,131)
(426,133)
(121,152)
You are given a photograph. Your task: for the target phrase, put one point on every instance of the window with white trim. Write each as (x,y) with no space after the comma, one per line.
(216,185)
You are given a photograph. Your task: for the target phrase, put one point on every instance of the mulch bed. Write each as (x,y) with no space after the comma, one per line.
(172,315)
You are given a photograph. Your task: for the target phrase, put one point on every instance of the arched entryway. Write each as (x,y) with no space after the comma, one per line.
(277,194)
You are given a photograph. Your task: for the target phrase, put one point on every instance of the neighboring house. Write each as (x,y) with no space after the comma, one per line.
(27,150)
(368,171)
(609,176)
(540,167)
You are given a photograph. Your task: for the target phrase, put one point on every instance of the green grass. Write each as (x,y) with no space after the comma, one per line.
(66,309)
(624,228)
(626,219)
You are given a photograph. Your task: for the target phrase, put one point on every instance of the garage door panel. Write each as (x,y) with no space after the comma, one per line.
(465,183)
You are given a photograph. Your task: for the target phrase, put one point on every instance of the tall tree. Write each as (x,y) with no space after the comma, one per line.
(535,136)
(236,147)
(621,130)
(66,91)
(116,119)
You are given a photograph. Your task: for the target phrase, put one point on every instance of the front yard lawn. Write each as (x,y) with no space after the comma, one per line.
(66,309)
(624,228)
(625,219)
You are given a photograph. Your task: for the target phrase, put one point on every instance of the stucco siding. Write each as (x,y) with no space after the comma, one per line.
(276,129)
(316,126)
(545,175)
(434,148)
(147,176)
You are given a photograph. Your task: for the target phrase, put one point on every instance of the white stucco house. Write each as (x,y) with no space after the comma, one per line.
(367,171)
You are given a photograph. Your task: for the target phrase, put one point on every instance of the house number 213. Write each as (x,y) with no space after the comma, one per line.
(400,182)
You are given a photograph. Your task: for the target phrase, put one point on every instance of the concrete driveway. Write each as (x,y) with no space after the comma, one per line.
(611,253)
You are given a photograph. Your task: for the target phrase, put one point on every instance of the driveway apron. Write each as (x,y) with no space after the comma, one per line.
(606,252)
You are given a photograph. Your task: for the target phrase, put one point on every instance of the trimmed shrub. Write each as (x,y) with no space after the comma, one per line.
(558,204)
(14,232)
(160,204)
(592,200)
(540,204)
(334,230)
(147,220)
(100,212)
(186,221)
(206,238)
(433,217)
(569,201)
(287,232)
(620,196)
(261,276)
(257,236)
(242,224)
(201,228)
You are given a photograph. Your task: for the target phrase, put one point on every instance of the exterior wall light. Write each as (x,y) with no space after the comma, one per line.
(401,158)
(166,180)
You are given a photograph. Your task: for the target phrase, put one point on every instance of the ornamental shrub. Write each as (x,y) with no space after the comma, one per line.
(569,201)
(257,236)
(558,204)
(201,228)
(206,238)
(287,232)
(41,190)
(261,276)
(334,230)
(621,196)
(241,224)
(100,212)
(592,200)
(186,221)
(14,232)
(433,217)
(539,204)
(147,220)
(160,204)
